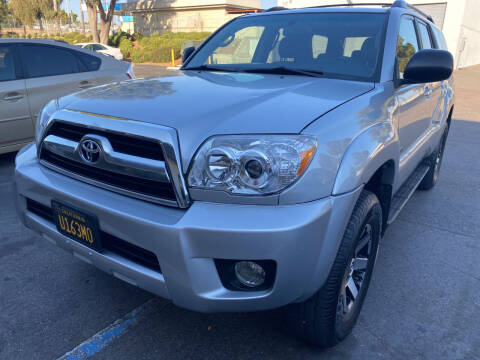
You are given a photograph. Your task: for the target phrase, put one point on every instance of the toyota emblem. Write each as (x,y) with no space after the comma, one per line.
(90,151)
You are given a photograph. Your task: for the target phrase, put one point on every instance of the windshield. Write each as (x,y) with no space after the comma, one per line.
(335,45)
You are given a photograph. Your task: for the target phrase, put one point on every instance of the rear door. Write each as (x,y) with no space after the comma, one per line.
(16,125)
(52,72)
(433,91)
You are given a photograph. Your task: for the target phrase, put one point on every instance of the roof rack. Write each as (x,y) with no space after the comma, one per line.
(398,4)
(405,5)
(276,8)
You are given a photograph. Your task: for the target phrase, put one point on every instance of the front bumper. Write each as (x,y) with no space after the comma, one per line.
(302,239)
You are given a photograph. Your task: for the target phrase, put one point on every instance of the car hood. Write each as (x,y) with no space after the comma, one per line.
(201,104)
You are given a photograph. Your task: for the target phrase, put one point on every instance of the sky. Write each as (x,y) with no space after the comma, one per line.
(75,4)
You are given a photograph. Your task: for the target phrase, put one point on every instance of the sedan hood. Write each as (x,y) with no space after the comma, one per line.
(201,104)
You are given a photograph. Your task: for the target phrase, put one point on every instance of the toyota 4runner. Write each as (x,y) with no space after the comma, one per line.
(263,174)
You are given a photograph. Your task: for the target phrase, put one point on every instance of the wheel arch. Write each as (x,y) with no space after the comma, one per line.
(374,149)
(381,184)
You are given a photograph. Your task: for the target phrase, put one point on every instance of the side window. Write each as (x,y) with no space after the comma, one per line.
(407,44)
(425,36)
(97,47)
(92,63)
(441,42)
(48,61)
(7,64)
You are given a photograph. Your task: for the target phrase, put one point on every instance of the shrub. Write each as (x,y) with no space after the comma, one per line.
(141,55)
(115,39)
(126,47)
(137,36)
(164,54)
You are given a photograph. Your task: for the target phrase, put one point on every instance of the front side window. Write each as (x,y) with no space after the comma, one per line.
(48,61)
(337,45)
(7,64)
(407,44)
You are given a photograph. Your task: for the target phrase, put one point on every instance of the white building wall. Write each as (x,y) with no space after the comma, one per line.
(156,16)
(468,51)
(461,24)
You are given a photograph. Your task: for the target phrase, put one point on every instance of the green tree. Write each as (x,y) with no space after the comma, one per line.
(3,11)
(106,17)
(30,11)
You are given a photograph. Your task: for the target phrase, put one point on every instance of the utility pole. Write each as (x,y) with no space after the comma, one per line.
(69,12)
(82,18)
(57,19)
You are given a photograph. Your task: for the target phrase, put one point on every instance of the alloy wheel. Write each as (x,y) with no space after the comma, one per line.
(355,274)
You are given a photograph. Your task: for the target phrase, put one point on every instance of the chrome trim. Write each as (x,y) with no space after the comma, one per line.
(165,136)
(118,190)
(109,159)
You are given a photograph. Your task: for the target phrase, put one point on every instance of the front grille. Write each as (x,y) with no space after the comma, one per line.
(126,144)
(123,181)
(109,242)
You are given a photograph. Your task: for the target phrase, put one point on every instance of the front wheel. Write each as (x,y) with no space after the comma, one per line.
(331,313)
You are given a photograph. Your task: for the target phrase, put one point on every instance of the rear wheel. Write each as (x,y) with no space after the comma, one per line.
(435,163)
(331,313)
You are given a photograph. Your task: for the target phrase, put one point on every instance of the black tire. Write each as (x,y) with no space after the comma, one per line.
(434,161)
(321,319)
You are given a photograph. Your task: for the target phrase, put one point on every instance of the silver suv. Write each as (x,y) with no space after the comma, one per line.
(262,175)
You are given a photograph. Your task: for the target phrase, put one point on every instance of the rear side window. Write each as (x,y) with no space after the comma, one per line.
(97,47)
(425,36)
(43,61)
(7,64)
(91,63)
(441,42)
(407,44)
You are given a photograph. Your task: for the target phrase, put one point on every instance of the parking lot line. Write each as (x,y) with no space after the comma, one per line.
(103,338)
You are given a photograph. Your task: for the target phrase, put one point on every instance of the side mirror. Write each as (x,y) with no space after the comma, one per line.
(187,52)
(429,66)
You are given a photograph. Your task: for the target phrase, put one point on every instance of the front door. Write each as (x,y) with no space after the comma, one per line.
(414,116)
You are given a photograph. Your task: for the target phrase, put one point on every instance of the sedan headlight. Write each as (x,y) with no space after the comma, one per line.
(43,118)
(251,164)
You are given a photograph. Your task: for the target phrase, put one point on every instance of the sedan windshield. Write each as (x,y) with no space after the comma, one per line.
(334,45)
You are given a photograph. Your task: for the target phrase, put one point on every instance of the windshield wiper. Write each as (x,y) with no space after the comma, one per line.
(210,68)
(282,70)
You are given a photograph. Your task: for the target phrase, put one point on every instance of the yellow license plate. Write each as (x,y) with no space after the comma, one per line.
(77,225)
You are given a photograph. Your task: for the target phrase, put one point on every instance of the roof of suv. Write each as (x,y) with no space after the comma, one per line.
(309,10)
(349,8)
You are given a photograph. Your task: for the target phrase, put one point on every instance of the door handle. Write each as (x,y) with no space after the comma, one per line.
(84,84)
(12,97)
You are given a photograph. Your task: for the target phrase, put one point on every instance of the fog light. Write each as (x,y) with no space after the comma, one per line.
(249,273)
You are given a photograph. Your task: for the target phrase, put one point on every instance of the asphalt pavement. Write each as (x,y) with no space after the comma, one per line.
(423,302)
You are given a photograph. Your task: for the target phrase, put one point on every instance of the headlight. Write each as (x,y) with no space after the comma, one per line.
(251,164)
(43,117)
